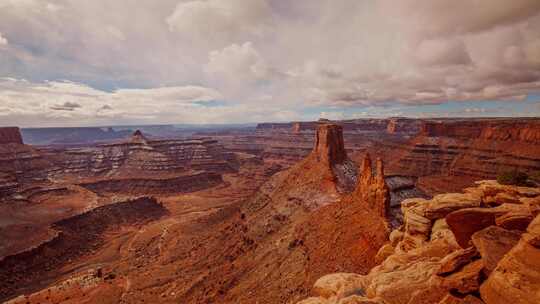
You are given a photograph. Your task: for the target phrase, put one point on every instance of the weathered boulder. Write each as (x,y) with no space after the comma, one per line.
(516,279)
(466,280)
(443,204)
(339,285)
(493,243)
(515,220)
(465,222)
(507,198)
(456,260)
(441,231)
(397,286)
(532,203)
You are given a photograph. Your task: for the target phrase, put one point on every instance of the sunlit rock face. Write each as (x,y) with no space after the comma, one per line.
(329,146)
(372,188)
(470,247)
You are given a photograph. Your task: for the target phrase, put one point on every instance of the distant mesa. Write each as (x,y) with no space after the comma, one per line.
(10,135)
(138,137)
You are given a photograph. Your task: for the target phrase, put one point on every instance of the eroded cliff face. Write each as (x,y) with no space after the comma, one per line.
(138,163)
(140,156)
(527,131)
(19,163)
(468,149)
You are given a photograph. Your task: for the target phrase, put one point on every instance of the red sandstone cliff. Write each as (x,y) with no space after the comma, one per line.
(471,149)
(329,147)
(10,135)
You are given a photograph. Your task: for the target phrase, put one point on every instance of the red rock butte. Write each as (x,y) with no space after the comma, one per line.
(329,146)
(10,135)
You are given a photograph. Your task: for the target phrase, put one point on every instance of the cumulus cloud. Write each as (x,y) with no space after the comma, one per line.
(237,63)
(51,104)
(442,52)
(446,17)
(214,21)
(182,56)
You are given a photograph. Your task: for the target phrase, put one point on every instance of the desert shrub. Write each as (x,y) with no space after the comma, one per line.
(516,178)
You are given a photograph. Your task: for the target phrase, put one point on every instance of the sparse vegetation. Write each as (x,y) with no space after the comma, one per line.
(515,177)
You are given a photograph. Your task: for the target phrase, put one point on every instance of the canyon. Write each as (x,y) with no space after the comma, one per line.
(396,210)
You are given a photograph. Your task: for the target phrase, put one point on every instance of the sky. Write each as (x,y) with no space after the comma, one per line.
(102,62)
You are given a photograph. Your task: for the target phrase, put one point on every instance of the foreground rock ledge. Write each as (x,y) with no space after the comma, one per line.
(454,248)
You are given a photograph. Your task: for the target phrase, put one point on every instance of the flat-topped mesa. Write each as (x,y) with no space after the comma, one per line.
(329,147)
(10,135)
(372,188)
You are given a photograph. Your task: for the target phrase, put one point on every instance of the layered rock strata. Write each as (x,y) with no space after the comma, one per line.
(19,163)
(469,148)
(141,155)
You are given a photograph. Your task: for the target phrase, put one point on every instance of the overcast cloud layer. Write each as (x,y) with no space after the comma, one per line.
(100,62)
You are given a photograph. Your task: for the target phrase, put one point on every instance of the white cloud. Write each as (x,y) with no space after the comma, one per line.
(214,22)
(302,53)
(442,52)
(26,103)
(237,63)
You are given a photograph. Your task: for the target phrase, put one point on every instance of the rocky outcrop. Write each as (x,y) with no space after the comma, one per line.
(329,147)
(21,165)
(516,278)
(371,186)
(10,135)
(424,264)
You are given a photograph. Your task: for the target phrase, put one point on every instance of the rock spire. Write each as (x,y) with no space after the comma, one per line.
(329,147)
(372,188)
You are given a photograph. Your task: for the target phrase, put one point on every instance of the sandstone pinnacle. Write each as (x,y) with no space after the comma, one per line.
(372,188)
(329,147)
